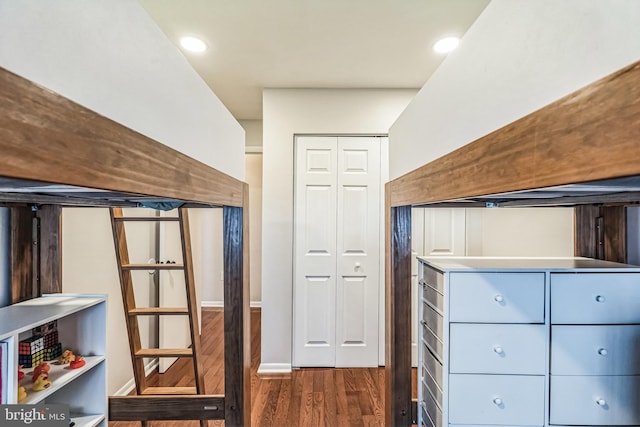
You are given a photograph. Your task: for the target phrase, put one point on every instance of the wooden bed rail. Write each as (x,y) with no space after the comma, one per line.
(143,408)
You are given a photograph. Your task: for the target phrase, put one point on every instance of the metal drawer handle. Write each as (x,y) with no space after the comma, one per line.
(602,351)
(498,349)
(498,298)
(600,298)
(497,401)
(601,402)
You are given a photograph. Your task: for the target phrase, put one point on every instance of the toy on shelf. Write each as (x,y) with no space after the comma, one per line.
(20,373)
(22,393)
(41,382)
(66,358)
(42,346)
(31,352)
(78,362)
(42,368)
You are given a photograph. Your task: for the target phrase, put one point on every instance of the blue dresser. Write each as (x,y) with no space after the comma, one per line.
(528,342)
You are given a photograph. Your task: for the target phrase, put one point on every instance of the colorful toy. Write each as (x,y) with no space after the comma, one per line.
(66,358)
(22,394)
(20,373)
(31,351)
(41,382)
(42,368)
(78,362)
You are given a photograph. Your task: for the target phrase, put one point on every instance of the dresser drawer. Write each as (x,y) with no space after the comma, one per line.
(595,350)
(497,349)
(432,366)
(433,411)
(433,296)
(429,386)
(496,399)
(497,297)
(426,421)
(433,278)
(595,298)
(433,342)
(595,400)
(432,320)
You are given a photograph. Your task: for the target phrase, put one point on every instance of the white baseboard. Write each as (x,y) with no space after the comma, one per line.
(131,384)
(220,304)
(274,368)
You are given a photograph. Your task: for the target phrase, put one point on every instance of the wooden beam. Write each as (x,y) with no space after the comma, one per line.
(398,321)
(591,134)
(144,408)
(237,356)
(47,137)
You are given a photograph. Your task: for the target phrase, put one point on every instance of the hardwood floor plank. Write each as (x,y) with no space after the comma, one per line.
(309,397)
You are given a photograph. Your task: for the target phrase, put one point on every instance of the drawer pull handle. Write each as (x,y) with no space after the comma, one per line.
(498,298)
(602,351)
(600,298)
(497,401)
(498,349)
(601,402)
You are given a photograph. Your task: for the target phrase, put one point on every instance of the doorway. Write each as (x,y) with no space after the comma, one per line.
(337,251)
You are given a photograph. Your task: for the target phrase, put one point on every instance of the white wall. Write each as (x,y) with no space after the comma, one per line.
(517,57)
(520,232)
(112,58)
(253,176)
(299,111)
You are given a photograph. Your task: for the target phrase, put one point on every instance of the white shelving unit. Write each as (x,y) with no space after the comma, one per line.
(81,328)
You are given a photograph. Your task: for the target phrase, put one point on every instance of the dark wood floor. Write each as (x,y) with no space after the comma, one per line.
(306,397)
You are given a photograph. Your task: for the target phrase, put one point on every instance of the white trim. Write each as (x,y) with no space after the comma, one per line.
(217,304)
(274,368)
(252,149)
(220,304)
(131,384)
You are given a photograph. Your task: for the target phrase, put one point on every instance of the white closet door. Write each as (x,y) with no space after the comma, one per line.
(315,251)
(358,238)
(444,232)
(336,251)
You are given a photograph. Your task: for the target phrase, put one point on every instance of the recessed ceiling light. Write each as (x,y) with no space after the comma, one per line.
(446,45)
(193,44)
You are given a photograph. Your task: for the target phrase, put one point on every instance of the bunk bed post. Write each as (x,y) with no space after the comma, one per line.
(35,251)
(601,232)
(237,349)
(398,407)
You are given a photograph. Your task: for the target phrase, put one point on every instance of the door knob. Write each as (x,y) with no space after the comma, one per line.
(356,266)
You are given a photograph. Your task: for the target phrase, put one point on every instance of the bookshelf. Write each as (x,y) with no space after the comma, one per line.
(81,325)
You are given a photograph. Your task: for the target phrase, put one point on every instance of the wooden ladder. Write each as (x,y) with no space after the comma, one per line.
(132,312)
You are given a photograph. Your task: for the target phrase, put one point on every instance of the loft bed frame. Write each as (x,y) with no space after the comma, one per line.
(582,151)
(57,153)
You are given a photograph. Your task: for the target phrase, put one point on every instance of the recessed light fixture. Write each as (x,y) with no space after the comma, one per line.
(193,44)
(446,45)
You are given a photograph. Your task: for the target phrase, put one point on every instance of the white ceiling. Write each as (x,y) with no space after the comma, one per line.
(256,44)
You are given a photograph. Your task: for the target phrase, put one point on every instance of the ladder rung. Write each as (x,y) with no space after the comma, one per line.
(169,390)
(164,352)
(153,267)
(158,311)
(146,218)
